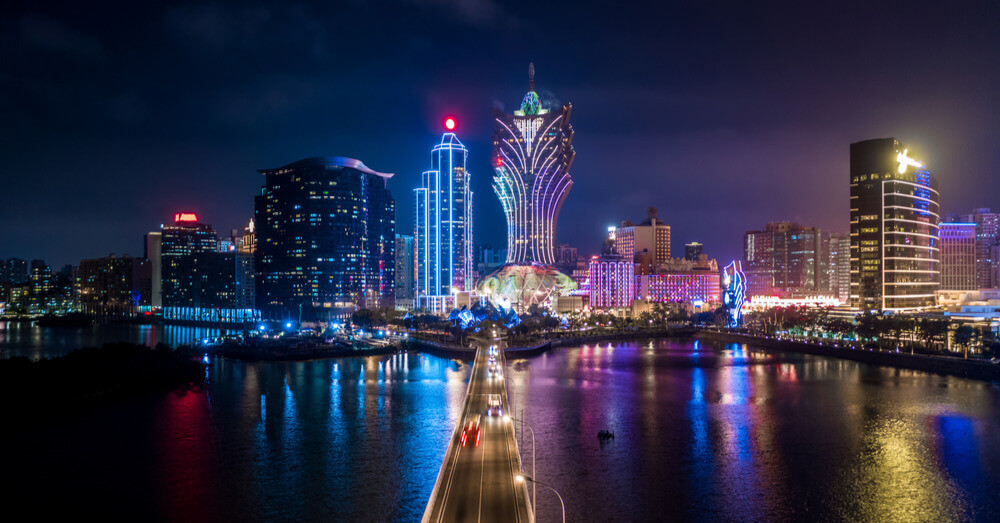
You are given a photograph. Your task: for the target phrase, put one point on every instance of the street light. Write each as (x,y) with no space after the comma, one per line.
(534,491)
(522,477)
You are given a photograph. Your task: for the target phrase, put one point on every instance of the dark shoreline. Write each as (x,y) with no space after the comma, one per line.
(971,369)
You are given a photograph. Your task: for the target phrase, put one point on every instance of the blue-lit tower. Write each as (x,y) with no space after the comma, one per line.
(443,232)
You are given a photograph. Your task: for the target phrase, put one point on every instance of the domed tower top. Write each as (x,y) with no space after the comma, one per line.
(531,105)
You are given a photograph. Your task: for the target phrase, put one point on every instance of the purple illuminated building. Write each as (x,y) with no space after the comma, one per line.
(532,154)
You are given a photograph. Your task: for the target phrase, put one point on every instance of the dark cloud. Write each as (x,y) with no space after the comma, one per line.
(723,114)
(52,36)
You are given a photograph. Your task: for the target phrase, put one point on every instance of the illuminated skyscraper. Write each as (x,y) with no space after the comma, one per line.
(987,237)
(958,256)
(178,244)
(443,232)
(325,231)
(532,155)
(785,259)
(895,254)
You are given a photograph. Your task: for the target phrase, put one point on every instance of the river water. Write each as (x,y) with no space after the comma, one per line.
(703,431)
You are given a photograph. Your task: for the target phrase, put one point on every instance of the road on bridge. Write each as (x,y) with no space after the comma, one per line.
(476,483)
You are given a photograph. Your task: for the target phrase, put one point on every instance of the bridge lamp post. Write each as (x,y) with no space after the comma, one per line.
(522,477)
(534,490)
(511,388)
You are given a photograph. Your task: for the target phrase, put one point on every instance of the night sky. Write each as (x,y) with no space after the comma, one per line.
(724,115)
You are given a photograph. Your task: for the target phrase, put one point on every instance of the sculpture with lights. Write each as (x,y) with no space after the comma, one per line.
(733,296)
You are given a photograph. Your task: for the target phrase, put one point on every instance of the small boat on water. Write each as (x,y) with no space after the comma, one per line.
(605,435)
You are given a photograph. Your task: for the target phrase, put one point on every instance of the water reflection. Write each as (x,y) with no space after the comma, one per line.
(703,431)
(727,431)
(26,339)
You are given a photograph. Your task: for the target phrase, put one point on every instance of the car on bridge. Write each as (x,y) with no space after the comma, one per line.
(470,434)
(493,407)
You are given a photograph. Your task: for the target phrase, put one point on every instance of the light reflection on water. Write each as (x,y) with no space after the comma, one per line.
(702,431)
(26,339)
(729,432)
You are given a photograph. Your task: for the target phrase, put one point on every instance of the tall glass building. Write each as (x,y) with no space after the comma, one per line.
(895,254)
(325,233)
(532,155)
(443,232)
(179,244)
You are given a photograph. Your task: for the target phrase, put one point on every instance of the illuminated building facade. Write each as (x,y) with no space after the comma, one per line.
(532,155)
(443,232)
(838,266)
(684,287)
(785,259)
(405,270)
(651,236)
(115,285)
(895,255)
(987,238)
(958,256)
(178,243)
(325,235)
(612,278)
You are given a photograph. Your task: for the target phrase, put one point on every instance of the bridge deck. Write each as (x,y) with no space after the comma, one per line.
(477,483)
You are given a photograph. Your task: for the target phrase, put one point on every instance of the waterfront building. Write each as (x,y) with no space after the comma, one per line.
(692,251)
(958,256)
(838,267)
(325,233)
(785,259)
(680,287)
(405,269)
(115,285)
(895,256)
(443,232)
(651,236)
(612,278)
(532,155)
(178,243)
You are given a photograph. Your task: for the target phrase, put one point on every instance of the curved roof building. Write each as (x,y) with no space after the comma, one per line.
(532,155)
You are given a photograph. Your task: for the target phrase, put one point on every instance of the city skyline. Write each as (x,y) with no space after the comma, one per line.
(127,154)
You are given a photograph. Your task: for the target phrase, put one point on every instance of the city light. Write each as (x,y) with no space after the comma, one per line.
(449,123)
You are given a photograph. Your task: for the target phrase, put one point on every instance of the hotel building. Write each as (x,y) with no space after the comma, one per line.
(895,253)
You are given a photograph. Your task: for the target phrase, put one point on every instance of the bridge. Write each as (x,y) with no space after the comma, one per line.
(477,479)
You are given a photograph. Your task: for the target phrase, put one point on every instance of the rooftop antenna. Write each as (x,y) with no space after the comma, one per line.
(531,76)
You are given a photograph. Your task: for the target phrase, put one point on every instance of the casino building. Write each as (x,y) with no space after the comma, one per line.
(895,252)
(532,155)
(443,232)
(325,233)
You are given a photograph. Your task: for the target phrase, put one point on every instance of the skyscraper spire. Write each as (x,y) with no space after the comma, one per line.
(531,76)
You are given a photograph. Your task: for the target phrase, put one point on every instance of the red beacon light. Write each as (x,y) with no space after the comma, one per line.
(185,217)
(449,123)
